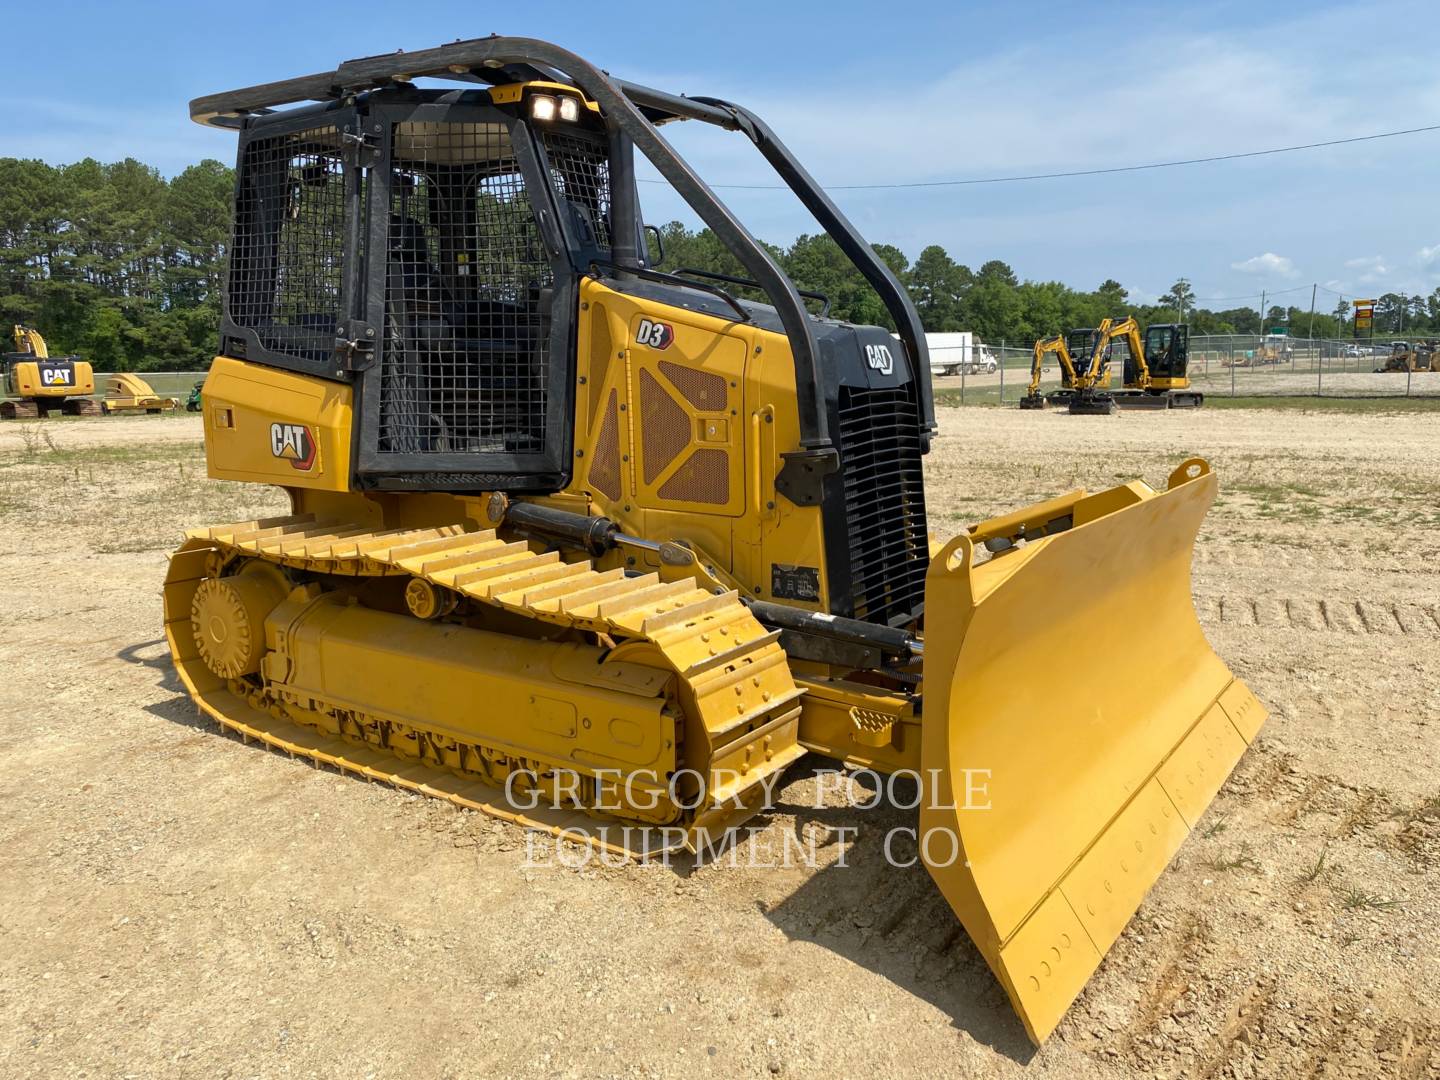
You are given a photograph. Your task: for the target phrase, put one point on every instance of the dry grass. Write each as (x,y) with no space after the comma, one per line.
(131,496)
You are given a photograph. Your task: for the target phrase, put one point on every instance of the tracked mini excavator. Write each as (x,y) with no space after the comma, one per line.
(37,384)
(566,524)
(1155,366)
(1057,345)
(1154,369)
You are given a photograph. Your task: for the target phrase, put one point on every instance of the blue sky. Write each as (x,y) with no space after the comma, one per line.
(876,93)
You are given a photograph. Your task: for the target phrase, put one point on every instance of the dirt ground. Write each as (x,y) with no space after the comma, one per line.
(175,903)
(1217,381)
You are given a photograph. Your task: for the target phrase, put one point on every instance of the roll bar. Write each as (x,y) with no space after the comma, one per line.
(634,111)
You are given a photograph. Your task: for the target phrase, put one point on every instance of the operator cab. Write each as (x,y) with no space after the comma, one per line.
(1167,350)
(438,235)
(1080,343)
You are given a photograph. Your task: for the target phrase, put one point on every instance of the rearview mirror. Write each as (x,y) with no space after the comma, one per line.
(659,245)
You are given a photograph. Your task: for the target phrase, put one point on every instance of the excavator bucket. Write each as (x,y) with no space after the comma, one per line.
(1077,725)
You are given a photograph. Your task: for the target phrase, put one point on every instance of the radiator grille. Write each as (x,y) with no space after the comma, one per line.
(464,365)
(288,255)
(879,440)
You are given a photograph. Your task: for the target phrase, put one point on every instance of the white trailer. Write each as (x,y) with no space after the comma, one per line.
(953,353)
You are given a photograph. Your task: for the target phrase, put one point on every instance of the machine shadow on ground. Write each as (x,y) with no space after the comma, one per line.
(879,909)
(155,655)
(876,907)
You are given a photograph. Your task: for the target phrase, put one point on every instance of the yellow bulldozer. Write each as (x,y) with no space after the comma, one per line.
(37,384)
(1408,357)
(1154,372)
(604,549)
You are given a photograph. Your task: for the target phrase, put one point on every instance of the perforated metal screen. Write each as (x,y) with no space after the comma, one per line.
(464,364)
(287,261)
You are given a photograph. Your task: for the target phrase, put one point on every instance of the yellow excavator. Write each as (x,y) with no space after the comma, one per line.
(1154,376)
(1044,347)
(604,549)
(37,384)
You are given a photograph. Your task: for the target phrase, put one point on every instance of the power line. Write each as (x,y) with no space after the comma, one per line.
(1079,172)
(1251,296)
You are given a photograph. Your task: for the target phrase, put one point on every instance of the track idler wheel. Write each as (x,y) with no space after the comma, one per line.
(227,616)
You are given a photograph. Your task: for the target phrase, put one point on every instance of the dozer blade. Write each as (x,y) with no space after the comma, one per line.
(1076,726)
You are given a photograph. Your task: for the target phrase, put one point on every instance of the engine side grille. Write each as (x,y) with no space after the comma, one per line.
(879,439)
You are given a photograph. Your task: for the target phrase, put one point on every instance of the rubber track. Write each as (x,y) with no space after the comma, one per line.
(711,640)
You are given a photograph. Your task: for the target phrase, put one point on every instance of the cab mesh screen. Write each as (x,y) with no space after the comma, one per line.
(288,254)
(468,281)
(580,172)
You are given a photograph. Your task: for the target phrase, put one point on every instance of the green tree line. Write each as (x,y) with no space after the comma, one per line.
(125,267)
(115,262)
(995,304)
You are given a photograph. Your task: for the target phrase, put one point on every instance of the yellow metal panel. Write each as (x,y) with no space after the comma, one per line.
(1045,965)
(1198,767)
(472,685)
(1075,758)
(1111,879)
(670,427)
(261,425)
(1244,709)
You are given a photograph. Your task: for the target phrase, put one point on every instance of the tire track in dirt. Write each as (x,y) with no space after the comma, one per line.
(1335,615)
(1170,984)
(1243,1021)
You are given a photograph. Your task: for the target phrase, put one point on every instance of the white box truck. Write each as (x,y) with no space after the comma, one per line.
(953,353)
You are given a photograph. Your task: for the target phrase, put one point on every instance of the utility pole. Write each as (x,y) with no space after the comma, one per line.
(1262,313)
(1311,333)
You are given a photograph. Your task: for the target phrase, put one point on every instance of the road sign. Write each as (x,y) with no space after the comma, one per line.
(1364,317)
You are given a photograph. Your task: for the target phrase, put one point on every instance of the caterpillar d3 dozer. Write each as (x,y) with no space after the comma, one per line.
(37,384)
(564,523)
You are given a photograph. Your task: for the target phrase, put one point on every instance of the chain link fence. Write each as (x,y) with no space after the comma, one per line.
(1223,365)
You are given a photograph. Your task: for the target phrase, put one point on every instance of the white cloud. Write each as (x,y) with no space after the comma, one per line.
(1268,263)
(1428,256)
(1372,267)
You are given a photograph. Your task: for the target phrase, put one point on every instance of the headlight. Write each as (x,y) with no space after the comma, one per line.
(569,109)
(542,107)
